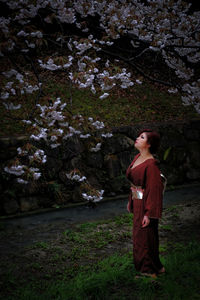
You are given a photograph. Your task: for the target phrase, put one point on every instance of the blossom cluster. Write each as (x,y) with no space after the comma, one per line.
(24,171)
(39,156)
(93,198)
(192,92)
(96,148)
(11,88)
(17,170)
(24,165)
(75,177)
(107,135)
(90,74)
(90,195)
(97,124)
(45,130)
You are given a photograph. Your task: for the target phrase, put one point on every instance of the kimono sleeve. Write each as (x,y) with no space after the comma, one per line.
(153,193)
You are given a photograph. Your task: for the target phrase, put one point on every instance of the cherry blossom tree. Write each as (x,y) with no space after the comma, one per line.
(86,41)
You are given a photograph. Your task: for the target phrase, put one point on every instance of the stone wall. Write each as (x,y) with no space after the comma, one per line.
(179,157)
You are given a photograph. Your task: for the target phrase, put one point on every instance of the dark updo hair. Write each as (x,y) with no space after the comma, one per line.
(153,138)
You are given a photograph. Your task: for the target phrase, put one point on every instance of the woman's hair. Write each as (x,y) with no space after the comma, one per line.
(153,138)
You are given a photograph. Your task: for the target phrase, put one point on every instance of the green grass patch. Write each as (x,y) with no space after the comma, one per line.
(124,219)
(137,104)
(42,245)
(172,208)
(163,248)
(87,227)
(166,227)
(124,107)
(114,278)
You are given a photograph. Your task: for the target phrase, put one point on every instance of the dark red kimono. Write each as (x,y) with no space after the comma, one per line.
(145,240)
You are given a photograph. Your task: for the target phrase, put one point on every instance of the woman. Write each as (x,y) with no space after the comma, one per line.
(145,201)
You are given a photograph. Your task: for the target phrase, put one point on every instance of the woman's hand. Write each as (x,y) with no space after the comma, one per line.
(145,221)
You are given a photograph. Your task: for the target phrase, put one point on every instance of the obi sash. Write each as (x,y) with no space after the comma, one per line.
(137,192)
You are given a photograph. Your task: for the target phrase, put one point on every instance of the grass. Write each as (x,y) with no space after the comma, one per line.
(140,103)
(93,261)
(113,278)
(165,227)
(41,245)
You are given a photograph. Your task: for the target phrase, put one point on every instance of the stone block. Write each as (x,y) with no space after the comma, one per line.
(191,134)
(53,166)
(125,159)
(112,165)
(71,148)
(10,206)
(67,182)
(45,202)
(117,144)
(76,195)
(28,203)
(195,124)
(128,131)
(94,160)
(193,174)
(173,138)
(194,154)
(116,185)
(29,189)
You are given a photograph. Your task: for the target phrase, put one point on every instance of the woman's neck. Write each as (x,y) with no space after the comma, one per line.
(144,154)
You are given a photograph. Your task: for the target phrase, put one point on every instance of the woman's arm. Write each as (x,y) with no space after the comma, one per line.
(153,195)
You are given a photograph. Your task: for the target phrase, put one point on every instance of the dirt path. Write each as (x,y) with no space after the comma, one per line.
(181,220)
(179,223)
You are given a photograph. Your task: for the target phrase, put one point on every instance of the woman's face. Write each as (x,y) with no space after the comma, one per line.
(141,142)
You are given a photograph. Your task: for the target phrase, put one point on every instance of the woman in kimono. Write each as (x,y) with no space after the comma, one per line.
(145,201)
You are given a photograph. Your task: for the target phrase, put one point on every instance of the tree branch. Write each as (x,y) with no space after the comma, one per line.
(130,62)
(39,84)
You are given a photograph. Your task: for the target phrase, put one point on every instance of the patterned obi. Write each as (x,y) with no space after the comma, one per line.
(137,192)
